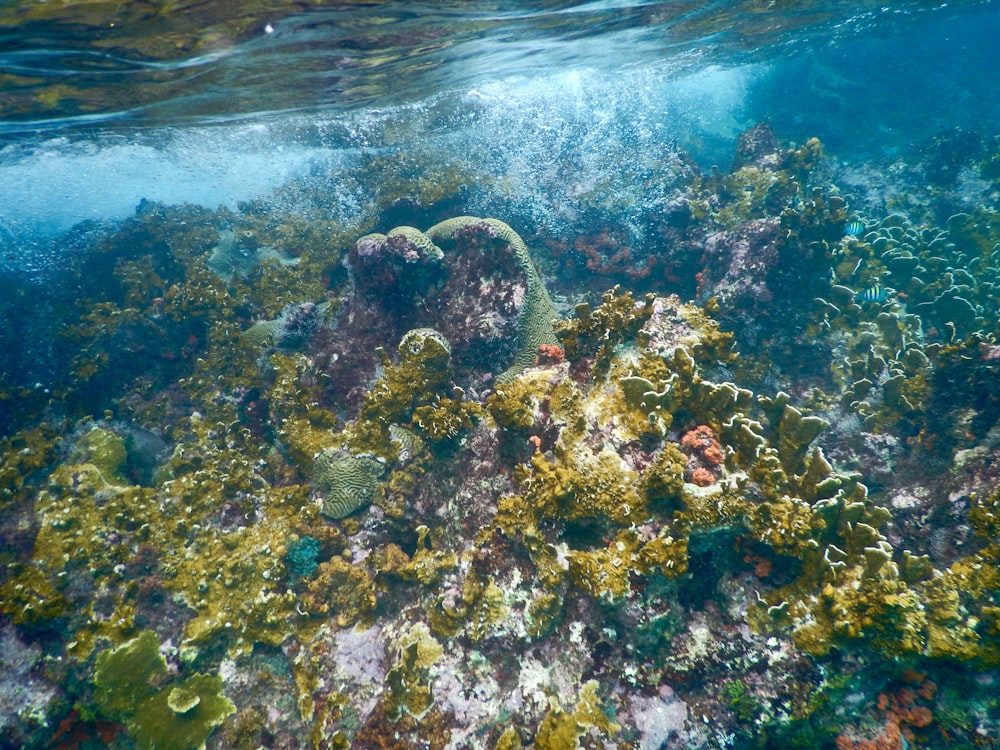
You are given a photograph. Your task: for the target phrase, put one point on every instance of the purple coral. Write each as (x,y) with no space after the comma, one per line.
(296,324)
(737,264)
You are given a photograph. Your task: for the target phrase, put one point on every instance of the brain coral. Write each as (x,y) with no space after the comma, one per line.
(471,279)
(537,312)
(345,481)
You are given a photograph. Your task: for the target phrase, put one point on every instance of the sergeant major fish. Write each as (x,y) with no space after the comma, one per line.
(877,294)
(854,228)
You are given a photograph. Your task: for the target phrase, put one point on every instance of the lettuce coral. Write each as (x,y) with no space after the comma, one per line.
(132,686)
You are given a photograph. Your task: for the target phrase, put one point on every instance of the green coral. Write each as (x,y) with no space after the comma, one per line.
(446,418)
(476,611)
(232,258)
(795,431)
(419,378)
(302,557)
(508,740)
(771,488)
(663,479)
(342,588)
(741,700)
(346,482)
(426,567)
(131,687)
(106,451)
(262,334)
(598,332)
(538,312)
(561,729)
(580,485)
(542,614)
(516,405)
(23,455)
(418,239)
(408,682)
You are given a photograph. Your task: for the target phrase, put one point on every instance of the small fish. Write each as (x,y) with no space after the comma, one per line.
(875,293)
(854,228)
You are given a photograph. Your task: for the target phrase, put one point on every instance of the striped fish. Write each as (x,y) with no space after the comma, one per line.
(876,293)
(854,228)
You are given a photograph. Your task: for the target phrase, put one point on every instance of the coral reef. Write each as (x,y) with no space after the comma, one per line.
(131,686)
(345,481)
(470,279)
(298,488)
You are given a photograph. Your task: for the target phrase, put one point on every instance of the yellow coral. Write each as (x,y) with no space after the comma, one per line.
(409,680)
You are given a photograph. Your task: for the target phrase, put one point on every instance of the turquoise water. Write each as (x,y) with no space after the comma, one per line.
(692,444)
(98,119)
(107,107)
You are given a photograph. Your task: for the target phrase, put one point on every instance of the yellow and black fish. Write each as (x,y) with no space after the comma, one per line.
(876,293)
(854,228)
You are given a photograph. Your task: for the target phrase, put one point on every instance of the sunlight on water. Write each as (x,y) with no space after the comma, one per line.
(542,141)
(62,182)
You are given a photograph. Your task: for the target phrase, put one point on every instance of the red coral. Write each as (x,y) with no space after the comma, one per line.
(713,454)
(762,566)
(919,716)
(902,714)
(702,441)
(550,354)
(706,456)
(606,254)
(928,690)
(702,477)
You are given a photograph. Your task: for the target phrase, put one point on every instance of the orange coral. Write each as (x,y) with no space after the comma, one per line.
(549,354)
(919,716)
(902,715)
(702,477)
(706,455)
(762,566)
(702,441)
(927,691)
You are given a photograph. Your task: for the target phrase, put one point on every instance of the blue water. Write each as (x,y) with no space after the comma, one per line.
(570,121)
(544,103)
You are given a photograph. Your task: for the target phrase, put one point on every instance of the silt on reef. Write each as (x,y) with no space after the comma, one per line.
(391,504)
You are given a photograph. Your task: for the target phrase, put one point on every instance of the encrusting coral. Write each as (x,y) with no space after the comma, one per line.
(534,328)
(132,686)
